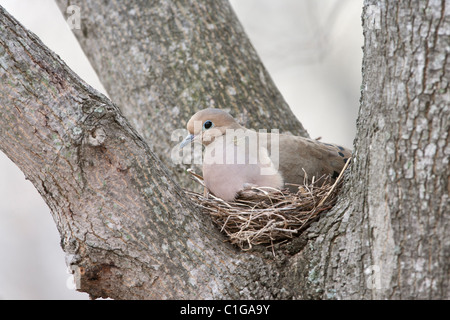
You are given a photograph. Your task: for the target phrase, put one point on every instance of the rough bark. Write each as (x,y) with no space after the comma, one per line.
(388,237)
(405,164)
(126,227)
(128,230)
(161,61)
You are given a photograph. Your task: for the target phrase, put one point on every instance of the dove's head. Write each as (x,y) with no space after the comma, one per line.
(208,124)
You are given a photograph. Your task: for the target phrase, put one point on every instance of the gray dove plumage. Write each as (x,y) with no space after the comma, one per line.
(237,158)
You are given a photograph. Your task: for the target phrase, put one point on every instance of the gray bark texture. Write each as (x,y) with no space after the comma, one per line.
(128,229)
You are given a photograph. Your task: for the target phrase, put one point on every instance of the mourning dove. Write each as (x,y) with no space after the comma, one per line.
(237,158)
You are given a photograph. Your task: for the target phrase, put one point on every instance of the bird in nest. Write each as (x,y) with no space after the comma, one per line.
(237,158)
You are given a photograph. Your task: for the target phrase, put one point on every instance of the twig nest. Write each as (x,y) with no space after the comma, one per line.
(266,215)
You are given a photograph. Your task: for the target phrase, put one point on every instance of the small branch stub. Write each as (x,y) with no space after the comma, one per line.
(97,137)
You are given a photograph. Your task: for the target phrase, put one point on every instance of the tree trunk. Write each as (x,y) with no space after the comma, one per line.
(127,228)
(388,236)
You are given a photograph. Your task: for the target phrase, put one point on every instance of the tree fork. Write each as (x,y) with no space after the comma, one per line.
(126,227)
(130,233)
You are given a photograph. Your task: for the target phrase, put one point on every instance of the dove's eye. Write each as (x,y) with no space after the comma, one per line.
(208,124)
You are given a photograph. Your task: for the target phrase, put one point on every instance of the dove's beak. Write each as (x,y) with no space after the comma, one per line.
(187,140)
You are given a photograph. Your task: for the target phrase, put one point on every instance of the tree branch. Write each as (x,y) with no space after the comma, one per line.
(126,227)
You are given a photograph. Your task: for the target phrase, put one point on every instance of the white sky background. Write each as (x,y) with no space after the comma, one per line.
(311,48)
